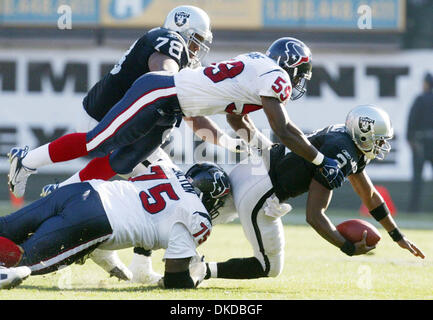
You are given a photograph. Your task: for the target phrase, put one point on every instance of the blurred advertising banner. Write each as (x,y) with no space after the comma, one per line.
(48,12)
(224,14)
(41,92)
(336,15)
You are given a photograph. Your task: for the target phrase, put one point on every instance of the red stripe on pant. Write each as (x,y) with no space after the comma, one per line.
(98,168)
(68,147)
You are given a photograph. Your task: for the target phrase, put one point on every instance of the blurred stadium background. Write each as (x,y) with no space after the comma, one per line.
(46,70)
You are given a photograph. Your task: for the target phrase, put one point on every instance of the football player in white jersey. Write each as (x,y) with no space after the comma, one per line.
(154,103)
(157,210)
(181,42)
(156,100)
(260,187)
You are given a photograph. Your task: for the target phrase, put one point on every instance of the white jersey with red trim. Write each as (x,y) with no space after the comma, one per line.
(233,86)
(156,210)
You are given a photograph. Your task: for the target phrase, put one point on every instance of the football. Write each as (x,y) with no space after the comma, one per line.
(352,230)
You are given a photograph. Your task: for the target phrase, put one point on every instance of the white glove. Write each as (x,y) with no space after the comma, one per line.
(197,269)
(233,145)
(275,209)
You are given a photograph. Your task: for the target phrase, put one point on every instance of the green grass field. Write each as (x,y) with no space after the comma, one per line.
(313,269)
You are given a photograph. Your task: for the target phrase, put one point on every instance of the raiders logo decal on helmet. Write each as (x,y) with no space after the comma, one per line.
(180,18)
(365,124)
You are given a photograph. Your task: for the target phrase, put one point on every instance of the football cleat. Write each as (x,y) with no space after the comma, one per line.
(110,262)
(46,190)
(18,174)
(142,272)
(12,277)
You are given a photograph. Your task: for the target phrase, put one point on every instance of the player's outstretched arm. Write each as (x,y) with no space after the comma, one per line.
(245,128)
(209,131)
(295,140)
(374,202)
(318,200)
(286,130)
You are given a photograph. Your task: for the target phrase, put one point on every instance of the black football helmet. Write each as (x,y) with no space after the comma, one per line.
(211,184)
(295,58)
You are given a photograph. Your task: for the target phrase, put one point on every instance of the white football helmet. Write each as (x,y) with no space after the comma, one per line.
(370,128)
(193,24)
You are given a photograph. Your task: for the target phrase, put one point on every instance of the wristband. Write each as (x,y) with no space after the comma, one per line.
(318,159)
(396,235)
(348,248)
(380,212)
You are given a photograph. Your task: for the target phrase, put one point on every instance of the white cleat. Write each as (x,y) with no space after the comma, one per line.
(12,277)
(142,272)
(46,190)
(110,262)
(18,174)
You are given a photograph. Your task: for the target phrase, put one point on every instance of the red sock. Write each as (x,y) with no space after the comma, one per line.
(10,253)
(98,168)
(68,147)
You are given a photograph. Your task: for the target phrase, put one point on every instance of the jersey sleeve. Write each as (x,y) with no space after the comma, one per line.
(170,44)
(346,157)
(276,84)
(180,244)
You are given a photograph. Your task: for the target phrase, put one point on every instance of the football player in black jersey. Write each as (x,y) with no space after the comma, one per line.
(261,187)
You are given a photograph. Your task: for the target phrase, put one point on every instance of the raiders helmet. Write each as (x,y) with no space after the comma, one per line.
(211,183)
(295,58)
(193,24)
(370,128)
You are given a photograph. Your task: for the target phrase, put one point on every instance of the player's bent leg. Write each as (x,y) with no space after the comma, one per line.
(125,159)
(18,225)
(252,187)
(150,101)
(78,228)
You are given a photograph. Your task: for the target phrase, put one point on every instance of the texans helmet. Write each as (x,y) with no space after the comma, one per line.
(212,185)
(295,58)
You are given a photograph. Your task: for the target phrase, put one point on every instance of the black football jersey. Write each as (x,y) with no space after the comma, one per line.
(291,174)
(132,65)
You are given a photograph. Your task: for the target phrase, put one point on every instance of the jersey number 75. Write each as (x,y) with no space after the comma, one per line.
(155,193)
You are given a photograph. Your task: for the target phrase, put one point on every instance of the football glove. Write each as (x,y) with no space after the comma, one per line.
(332,173)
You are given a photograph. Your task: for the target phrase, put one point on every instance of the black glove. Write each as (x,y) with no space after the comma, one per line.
(332,173)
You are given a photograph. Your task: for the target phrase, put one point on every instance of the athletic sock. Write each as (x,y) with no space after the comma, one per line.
(68,147)
(97,168)
(37,158)
(73,179)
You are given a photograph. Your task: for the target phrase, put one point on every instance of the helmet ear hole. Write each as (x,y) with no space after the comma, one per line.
(363,138)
